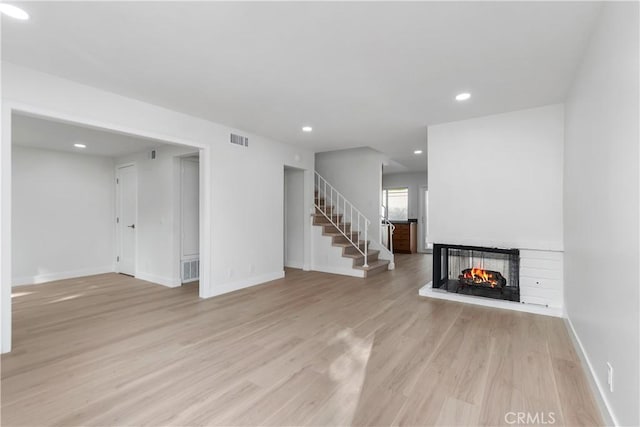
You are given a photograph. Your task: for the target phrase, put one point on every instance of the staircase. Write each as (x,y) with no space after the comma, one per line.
(347,228)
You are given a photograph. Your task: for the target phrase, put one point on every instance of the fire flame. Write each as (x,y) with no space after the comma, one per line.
(479,275)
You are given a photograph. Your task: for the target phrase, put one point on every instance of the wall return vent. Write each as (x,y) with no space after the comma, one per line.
(190,270)
(239,140)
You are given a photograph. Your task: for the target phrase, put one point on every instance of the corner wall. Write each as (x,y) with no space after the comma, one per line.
(63,205)
(357,175)
(601,212)
(158,227)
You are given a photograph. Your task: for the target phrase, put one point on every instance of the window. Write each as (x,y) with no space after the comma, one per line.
(395,202)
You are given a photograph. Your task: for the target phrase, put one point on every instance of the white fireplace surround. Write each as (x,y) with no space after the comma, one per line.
(541,286)
(511,166)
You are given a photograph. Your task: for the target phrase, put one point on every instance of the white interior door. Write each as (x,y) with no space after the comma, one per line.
(127,200)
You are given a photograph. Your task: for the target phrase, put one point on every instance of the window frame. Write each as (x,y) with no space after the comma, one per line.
(385,202)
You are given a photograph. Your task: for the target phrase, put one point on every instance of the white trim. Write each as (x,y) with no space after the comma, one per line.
(428,291)
(599,392)
(245,283)
(206,237)
(62,275)
(5,228)
(164,281)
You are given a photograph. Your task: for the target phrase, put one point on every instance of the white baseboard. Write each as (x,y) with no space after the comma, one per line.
(164,281)
(428,291)
(337,270)
(241,284)
(51,277)
(598,391)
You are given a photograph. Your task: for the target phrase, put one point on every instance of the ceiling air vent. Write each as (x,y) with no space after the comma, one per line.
(239,140)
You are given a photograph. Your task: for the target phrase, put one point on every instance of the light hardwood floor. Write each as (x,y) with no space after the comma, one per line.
(310,349)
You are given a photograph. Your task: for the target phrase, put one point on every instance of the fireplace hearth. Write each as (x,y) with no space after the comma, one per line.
(475,270)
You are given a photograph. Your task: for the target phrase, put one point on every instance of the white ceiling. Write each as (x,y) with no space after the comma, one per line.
(362,74)
(37,132)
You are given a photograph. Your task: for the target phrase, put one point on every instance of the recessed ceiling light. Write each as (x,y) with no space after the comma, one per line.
(14,12)
(79,145)
(307,129)
(463,96)
(417,152)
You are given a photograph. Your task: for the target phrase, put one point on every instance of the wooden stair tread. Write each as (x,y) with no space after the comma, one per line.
(323,212)
(347,244)
(371,252)
(339,233)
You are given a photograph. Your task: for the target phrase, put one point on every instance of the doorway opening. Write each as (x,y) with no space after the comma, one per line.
(293,218)
(404,207)
(190,218)
(89,200)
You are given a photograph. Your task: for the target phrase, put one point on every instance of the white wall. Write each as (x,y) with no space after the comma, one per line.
(497,180)
(63,205)
(357,174)
(237,182)
(601,197)
(158,226)
(413,181)
(294,218)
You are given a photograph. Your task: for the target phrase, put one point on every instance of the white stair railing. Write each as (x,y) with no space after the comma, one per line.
(386,229)
(337,209)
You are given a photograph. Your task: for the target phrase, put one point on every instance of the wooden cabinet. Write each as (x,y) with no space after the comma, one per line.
(405,238)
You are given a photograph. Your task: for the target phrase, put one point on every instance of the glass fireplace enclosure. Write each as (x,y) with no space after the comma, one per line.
(474,270)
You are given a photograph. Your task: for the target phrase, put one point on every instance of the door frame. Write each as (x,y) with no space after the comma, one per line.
(7,110)
(118,239)
(285,216)
(423,221)
(182,159)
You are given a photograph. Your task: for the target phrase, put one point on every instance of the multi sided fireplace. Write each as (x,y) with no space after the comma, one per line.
(475,270)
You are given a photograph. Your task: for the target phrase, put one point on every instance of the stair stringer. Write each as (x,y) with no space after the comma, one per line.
(328,258)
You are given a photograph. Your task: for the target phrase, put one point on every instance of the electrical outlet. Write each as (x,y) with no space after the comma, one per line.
(610,376)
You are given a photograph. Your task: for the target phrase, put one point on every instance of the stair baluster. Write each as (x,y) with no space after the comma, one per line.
(335,217)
